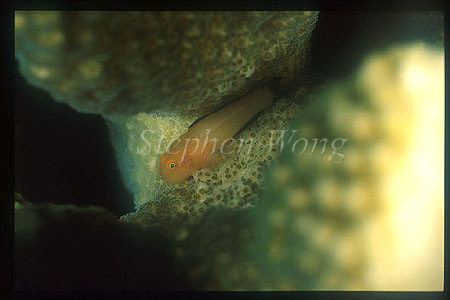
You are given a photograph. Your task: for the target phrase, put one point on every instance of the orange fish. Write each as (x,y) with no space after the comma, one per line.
(202,146)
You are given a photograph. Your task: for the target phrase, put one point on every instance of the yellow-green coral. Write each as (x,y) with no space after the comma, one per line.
(160,71)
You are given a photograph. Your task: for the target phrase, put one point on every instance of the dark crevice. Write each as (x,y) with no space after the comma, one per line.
(62,156)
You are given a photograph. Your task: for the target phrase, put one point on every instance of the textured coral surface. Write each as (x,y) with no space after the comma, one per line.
(159,72)
(237,183)
(139,62)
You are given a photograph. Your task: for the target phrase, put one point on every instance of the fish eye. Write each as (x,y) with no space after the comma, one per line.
(171,164)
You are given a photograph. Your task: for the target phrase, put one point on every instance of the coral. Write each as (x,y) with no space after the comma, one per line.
(235,184)
(160,72)
(350,215)
(142,62)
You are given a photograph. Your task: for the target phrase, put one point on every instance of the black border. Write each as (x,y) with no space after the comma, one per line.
(204,5)
(7,90)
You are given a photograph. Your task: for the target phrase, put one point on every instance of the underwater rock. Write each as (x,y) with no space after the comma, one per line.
(140,62)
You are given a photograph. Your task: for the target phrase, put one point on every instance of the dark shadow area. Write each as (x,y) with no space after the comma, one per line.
(341,40)
(62,156)
(87,249)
